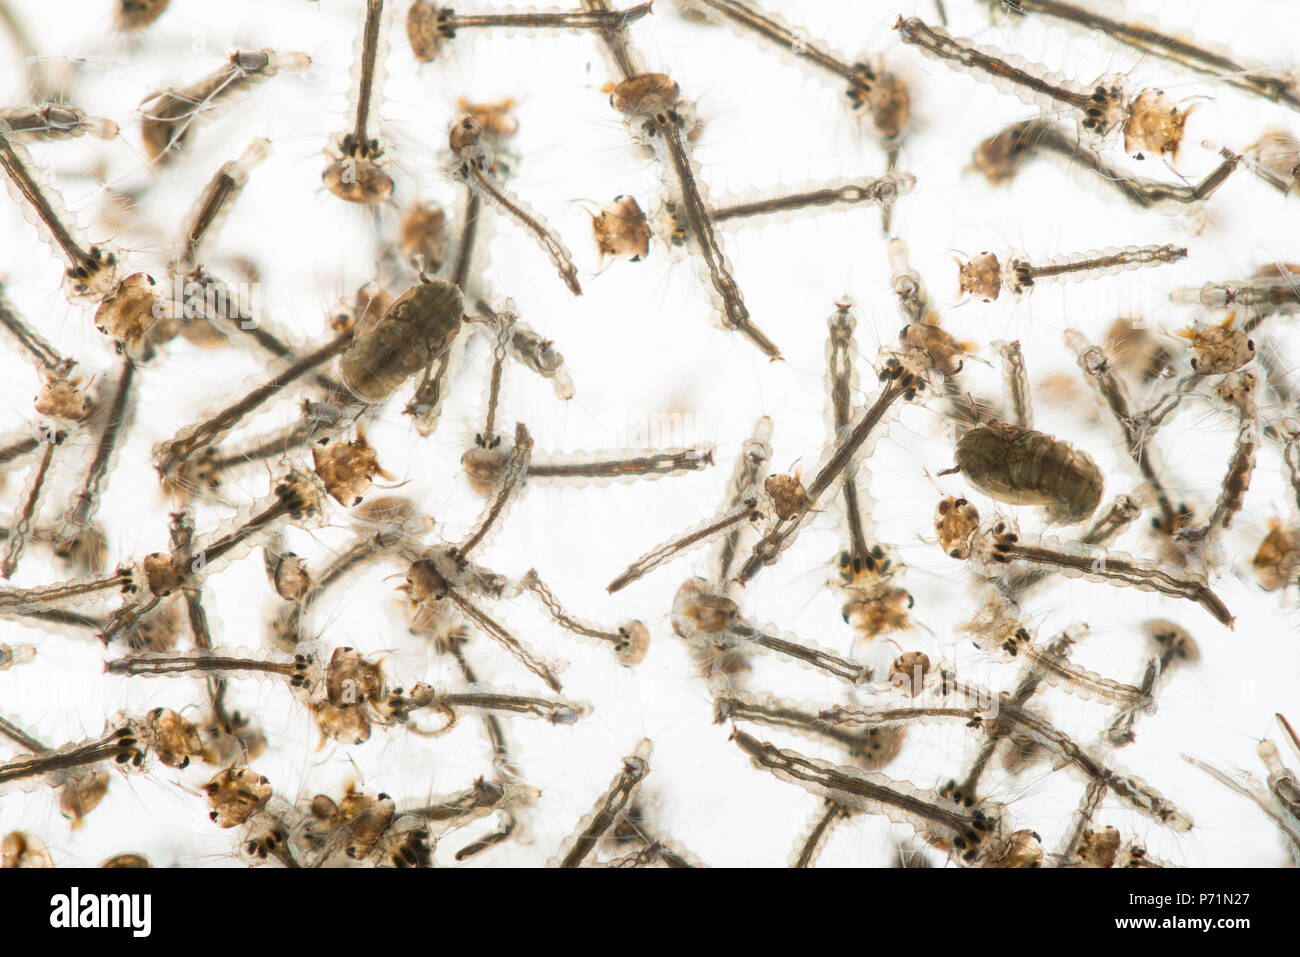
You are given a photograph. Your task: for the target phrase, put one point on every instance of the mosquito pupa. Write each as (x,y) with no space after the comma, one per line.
(657,114)
(92,273)
(621,230)
(1151,121)
(1022,467)
(630,640)
(984,277)
(747,510)
(430,26)
(54,121)
(609,808)
(1001,157)
(971,833)
(473,166)
(416,329)
(1237,390)
(169,116)
(1276,85)
(709,621)
(999,545)
(1137,442)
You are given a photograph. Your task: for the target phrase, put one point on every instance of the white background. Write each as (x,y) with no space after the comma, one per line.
(641,343)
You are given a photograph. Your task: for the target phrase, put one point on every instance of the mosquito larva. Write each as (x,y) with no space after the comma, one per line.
(984,277)
(1137,440)
(660,117)
(13,655)
(972,832)
(425,582)
(1022,467)
(746,510)
(54,121)
(873,747)
(508,485)
(924,349)
(625,60)
(80,793)
(176,452)
(1112,523)
(1219,64)
(429,26)
(215,202)
(999,545)
(169,115)
(1150,121)
(483,466)
(400,705)
(121,745)
(1275,289)
(1133,791)
(539,355)
(25,515)
(474,165)
(1239,391)
(749,470)
(1274,158)
(117,418)
(881,192)
(630,641)
(91,273)
(356,169)
(1000,158)
(609,808)
(711,621)
(884,94)
(1174,647)
(1015,383)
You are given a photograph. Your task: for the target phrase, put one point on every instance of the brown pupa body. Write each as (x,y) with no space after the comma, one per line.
(1024,467)
(414,331)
